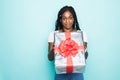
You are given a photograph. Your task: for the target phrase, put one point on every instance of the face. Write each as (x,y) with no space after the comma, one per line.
(67,20)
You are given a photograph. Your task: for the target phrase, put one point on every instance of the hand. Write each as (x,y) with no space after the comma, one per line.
(86,53)
(85,44)
(51,55)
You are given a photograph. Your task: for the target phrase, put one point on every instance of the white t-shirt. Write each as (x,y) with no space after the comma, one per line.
(51,37)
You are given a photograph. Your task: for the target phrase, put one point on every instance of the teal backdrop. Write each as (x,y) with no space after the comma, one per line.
(26,24)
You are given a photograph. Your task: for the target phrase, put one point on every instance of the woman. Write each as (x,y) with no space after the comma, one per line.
(66,22)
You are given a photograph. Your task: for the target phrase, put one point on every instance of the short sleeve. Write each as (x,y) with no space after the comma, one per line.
(51,37)
(85,37)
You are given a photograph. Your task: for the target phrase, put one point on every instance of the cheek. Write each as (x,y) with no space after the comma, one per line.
(63,22)
(71,21)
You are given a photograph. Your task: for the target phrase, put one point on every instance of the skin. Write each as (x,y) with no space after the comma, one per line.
(67,21)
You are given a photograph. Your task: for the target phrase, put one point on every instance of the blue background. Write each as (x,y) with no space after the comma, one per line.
(26,24)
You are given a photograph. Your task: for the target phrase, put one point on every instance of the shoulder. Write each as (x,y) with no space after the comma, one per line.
(84,35)
(51,36)
(52,33)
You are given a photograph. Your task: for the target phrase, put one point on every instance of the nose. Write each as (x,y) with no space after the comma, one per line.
(67,20)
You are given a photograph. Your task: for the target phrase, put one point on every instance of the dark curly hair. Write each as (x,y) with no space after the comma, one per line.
(58,24)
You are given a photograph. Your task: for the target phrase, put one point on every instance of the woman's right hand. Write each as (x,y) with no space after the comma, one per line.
(51,52)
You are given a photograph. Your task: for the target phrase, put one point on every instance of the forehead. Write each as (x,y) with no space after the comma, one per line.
(67,14)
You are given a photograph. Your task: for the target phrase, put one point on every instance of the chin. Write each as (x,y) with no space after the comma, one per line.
(68,27)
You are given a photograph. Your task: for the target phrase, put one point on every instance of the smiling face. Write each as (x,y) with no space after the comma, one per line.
(67,20)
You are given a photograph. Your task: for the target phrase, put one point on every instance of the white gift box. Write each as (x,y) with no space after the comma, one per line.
(69,52)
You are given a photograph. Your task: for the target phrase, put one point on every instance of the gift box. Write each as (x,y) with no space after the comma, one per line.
(69,52)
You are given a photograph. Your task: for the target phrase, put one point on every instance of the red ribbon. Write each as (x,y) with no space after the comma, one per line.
(67,49)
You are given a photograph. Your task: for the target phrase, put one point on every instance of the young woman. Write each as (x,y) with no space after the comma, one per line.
(66,22)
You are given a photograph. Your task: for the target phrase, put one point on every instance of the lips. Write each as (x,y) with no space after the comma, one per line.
(68,25)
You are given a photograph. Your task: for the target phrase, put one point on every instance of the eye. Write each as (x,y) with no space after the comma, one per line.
(70,17)
(63,18)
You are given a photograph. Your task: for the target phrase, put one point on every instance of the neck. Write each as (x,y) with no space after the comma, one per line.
(67,30)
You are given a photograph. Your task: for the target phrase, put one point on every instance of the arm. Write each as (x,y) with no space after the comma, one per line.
(86,53)
(51,51)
